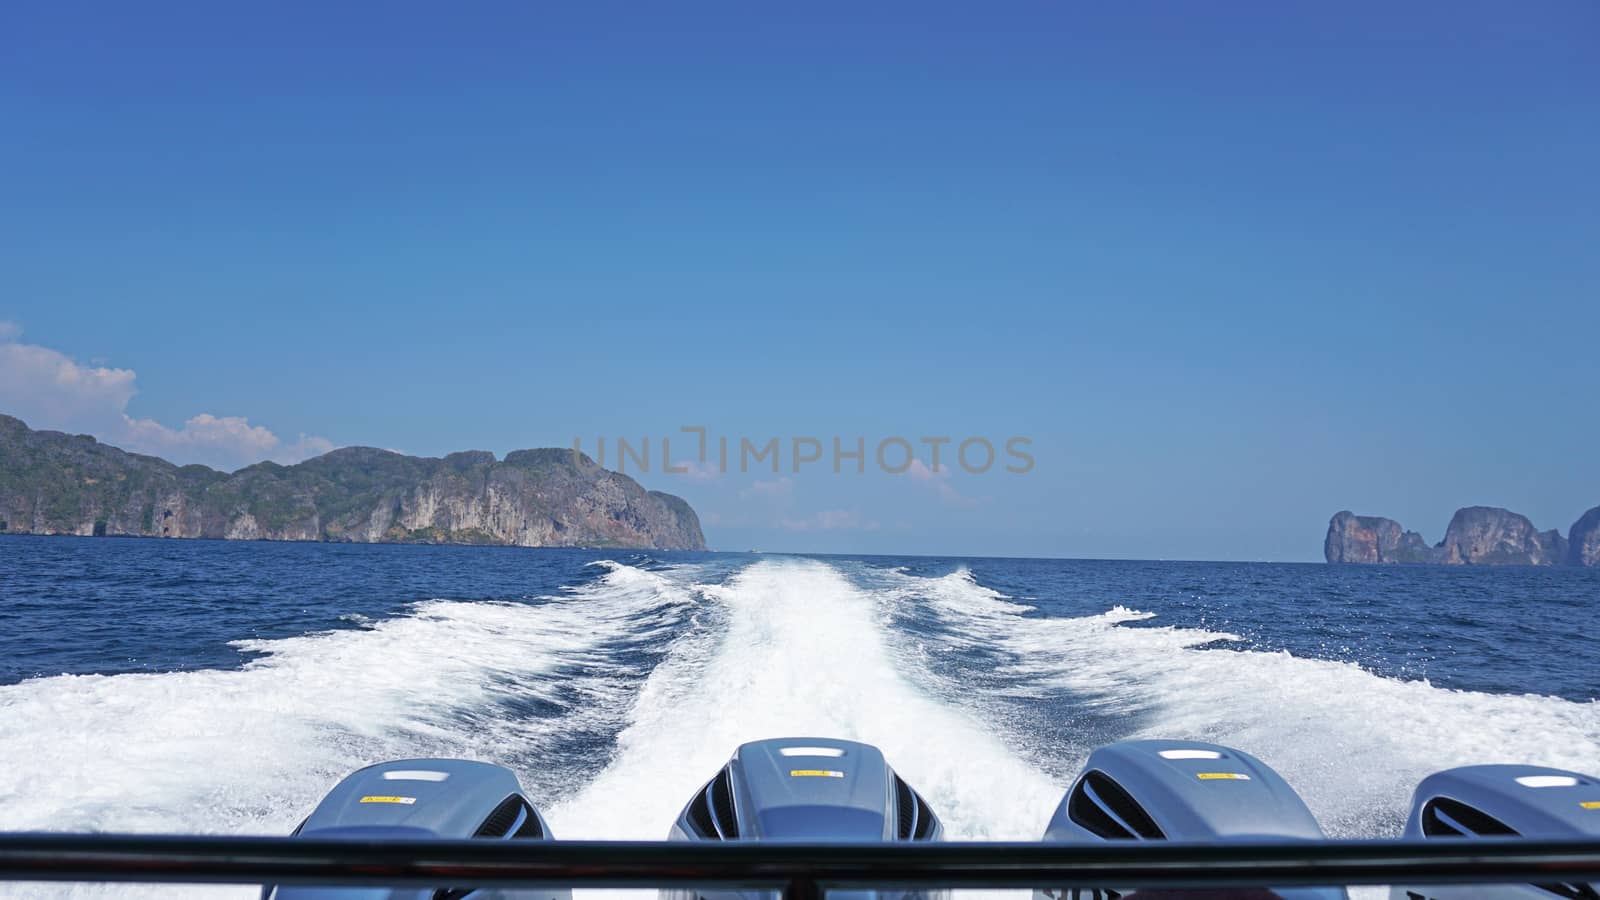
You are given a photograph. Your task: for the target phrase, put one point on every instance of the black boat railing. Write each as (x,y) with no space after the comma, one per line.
(800,870)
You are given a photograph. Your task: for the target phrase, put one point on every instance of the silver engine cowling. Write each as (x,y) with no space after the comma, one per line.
(413,799)
(1501,802)
(1180,791)
(806,789)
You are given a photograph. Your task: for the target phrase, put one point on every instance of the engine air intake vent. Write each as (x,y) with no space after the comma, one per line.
(917,821)
(513,818)
(530,829)
(907,806)
(700,814)
(721,791)
(1443,817)
(1101,806)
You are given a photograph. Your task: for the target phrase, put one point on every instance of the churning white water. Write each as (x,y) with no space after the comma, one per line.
(616,699)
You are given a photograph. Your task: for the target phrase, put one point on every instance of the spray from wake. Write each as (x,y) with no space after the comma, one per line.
(615,700)
(252,750)
(1353,743)
(802,652)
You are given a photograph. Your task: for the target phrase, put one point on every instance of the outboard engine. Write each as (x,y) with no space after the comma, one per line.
(1181,791)
(806,789)
(414,799)
(1475,802)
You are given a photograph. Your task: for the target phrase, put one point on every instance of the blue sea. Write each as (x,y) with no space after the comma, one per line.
(209,686)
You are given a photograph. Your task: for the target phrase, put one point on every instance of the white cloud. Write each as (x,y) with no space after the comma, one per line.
(780,488)
(39,383)
(695,470)
(203,435)
(307,446)
(939,480)
(48,389)
(226,440)
(831,520)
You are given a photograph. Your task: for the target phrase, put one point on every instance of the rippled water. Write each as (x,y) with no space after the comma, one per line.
(180,686)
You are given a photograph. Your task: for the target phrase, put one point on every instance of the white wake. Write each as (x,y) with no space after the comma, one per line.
(786,647)
(1353,743)
(803,653)
(251,750)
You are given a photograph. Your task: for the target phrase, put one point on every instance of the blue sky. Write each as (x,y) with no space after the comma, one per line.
(1229,267)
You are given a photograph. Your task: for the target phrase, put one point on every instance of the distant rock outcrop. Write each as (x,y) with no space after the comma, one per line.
(55,483)
(1489,535)
(1477,535)
(1583,541)
(1371,539)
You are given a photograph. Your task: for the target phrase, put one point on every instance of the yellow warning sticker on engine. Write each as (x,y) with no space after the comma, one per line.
(1222,776)
(1590,804)
(815,773)
(381,799)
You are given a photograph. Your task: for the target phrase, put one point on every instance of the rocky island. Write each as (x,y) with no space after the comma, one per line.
(1477,535)
(56,483)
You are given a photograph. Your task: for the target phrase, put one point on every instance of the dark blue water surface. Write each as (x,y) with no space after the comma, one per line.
(170,686)
(86,605)
(109,605)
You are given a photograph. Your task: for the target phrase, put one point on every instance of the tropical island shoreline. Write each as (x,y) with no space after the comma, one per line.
(57,483)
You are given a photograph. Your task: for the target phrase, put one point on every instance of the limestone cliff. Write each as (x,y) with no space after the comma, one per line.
(1371,539)
(1583,540)
(54,483)
(1477,535)
(1489,535)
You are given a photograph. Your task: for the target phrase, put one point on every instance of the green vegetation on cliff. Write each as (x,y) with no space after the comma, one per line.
(55,483)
